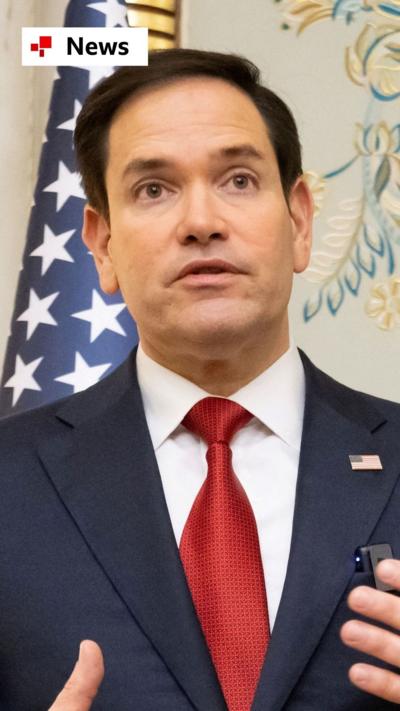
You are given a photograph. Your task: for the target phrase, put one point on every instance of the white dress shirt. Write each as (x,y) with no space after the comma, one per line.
(265,453)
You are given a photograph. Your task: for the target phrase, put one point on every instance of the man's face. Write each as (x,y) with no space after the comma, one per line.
(200,240)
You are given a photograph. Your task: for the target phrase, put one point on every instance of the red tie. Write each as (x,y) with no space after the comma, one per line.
(221,556)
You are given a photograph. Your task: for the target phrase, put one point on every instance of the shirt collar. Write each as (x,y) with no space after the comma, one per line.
(276,397)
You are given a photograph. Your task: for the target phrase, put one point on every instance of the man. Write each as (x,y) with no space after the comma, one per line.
(206,584)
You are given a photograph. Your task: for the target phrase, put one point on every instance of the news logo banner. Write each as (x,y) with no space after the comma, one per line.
(84,46)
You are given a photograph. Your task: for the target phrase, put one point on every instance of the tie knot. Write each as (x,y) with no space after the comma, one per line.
(216,419)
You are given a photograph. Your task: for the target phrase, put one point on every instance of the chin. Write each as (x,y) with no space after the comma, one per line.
(216,334)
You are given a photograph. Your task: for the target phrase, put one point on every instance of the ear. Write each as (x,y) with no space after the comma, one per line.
(301,206)
(96,235)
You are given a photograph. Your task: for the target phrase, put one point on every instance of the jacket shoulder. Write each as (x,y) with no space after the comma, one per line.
(29,427)
(350,402)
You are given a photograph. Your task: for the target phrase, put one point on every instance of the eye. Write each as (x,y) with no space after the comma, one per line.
(240,181)
(150,190)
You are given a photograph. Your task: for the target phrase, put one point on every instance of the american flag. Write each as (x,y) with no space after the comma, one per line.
(365,462)
(65,333)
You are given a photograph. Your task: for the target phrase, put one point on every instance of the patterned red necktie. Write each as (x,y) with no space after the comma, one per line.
(221,556)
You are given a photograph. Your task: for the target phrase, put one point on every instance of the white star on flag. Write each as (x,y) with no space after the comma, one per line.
(69,125)
(38,312)
(113,10)
(52,248)
(97,73)
(84,375)
(101,316)
(67,185)
(23,378)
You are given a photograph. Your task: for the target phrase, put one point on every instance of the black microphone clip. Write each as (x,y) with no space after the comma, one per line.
(367,558)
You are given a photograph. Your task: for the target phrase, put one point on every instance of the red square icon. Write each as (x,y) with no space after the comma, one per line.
(45,42)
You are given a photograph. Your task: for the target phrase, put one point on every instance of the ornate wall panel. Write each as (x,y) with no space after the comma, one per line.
(162,19)
(337,65)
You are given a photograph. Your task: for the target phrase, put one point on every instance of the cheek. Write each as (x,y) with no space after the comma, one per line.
(139,271)
(269,247)
(131,250)
(271,252)
(268,227)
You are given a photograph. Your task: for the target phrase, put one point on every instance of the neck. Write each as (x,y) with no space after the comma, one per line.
(220,375)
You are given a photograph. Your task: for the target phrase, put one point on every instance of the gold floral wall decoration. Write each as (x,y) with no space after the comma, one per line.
(383,304)
(363,237)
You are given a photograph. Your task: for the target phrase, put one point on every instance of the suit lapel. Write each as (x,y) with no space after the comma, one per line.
(336,510)
(105,471)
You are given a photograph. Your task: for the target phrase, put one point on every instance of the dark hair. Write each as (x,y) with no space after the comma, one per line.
(167,66)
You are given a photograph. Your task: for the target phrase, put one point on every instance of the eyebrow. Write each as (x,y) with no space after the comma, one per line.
(245,150)
(143,165)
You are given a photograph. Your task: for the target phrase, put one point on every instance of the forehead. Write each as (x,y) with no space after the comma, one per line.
(186,116)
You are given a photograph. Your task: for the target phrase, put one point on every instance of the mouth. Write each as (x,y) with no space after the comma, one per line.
(207,270)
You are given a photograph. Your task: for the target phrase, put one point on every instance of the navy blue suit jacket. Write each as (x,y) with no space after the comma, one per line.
(87,551)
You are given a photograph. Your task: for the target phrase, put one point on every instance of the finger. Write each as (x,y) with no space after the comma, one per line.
(83,684)
(372,640)
(389,572)
(380,682)
(381,606)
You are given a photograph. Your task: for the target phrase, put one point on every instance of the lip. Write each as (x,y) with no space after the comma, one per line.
(197,281)
(190,269)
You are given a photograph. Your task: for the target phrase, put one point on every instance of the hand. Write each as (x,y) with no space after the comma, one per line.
(383,607)
(83,684)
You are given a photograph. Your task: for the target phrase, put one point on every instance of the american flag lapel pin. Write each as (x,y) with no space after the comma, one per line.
(365,462)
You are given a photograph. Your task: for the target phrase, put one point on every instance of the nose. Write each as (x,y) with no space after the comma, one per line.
(201,219)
